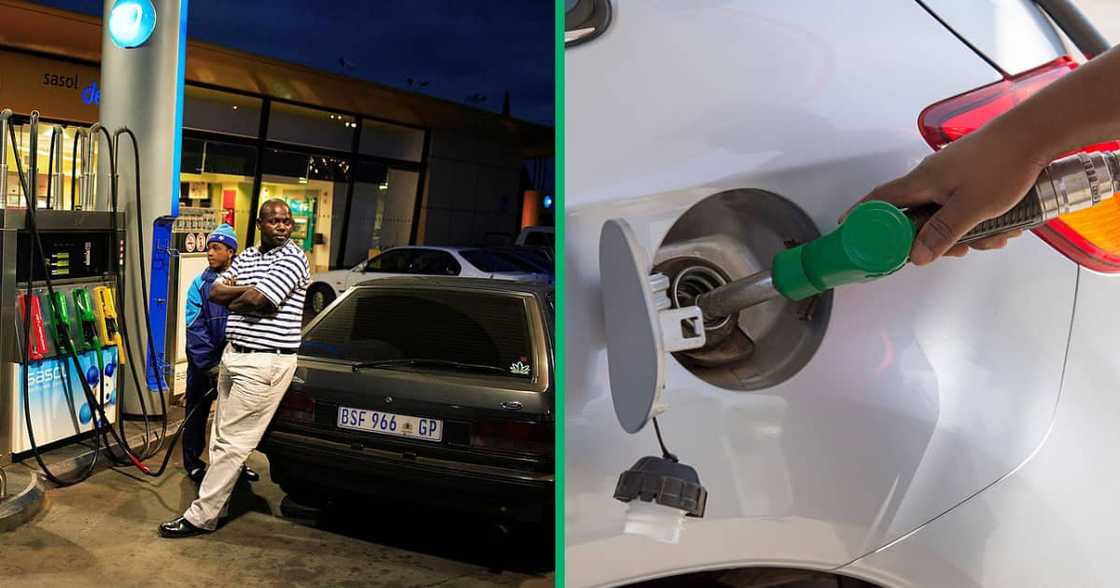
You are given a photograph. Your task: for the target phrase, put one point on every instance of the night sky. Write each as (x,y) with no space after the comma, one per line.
(468,51)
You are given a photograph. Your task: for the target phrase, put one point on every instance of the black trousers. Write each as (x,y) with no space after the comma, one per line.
(199,384)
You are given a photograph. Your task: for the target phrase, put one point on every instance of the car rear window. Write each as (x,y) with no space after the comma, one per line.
(540,239)
(490,262)
(482,329)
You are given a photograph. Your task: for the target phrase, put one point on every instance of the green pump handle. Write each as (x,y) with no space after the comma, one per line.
(873,241)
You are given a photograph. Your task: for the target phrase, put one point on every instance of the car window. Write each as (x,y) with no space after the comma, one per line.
(526,258)
(540,239)
(432,262)
(395,261)
(491,262)
(375,324)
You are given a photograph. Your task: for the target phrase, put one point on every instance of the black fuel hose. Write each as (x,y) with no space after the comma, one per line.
(69,343)
(30,198)
(161,384)
(126,341)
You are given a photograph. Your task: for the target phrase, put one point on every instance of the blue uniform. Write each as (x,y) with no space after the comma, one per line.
(206,338)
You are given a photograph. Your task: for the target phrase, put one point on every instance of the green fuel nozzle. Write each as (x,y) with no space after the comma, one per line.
(873,241)
(62,321)
(875,238)
(87,320)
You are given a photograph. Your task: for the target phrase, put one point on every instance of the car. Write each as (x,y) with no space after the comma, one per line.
(948,425)
(472,262)
(439,390)
(540,236)
(533,259)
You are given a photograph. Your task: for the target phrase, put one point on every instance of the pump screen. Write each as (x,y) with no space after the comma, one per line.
(69,255)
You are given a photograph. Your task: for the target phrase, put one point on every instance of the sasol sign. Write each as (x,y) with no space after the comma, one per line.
(90,93)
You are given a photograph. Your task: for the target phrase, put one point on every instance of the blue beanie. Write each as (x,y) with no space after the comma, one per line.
(224,234)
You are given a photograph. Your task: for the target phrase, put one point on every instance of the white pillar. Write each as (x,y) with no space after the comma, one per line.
(142,89)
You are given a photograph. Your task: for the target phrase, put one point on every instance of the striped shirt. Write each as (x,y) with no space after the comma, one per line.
(281,275)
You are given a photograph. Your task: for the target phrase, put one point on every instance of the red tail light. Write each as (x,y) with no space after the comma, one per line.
(513,436)
(1090,237)
(296,406)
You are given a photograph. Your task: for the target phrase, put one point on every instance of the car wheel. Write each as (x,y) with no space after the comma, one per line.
(318,298)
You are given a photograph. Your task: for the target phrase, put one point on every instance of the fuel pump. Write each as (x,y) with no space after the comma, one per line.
(68,265)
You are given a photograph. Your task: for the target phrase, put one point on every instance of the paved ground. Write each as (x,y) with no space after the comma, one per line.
(102,532)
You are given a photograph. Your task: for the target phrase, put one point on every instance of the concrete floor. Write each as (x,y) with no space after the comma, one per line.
(102,532)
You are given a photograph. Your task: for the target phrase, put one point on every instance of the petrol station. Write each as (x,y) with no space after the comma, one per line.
(85,299)
(94,258)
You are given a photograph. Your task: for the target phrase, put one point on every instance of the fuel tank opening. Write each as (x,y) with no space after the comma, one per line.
(725,237)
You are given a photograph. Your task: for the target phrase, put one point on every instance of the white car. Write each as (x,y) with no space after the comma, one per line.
(537,237)
(467,262)
(951,425)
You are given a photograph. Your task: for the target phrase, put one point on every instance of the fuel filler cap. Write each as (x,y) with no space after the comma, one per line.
(641,326)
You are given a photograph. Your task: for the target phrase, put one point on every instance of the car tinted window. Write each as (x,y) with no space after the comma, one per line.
(394,262)
(434,263)
(540,239)
(467,327)
(490,262)
(526,258)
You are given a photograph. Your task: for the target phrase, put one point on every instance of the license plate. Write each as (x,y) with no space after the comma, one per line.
(387,423)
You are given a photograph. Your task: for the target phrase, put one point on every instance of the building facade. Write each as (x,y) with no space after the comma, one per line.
(364,167)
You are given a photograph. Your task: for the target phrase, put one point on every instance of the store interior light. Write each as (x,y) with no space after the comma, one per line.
(131,22)
(548,201)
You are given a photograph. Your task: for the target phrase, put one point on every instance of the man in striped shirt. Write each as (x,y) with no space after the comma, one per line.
(264,290)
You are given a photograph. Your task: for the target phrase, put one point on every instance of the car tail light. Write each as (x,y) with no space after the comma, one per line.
(513,436)
(297,406)
(1090,237)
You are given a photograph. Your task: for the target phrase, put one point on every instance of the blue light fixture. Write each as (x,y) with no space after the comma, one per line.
(131,22)
(548,201)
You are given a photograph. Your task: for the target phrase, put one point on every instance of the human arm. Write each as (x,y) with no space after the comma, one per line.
(985,173)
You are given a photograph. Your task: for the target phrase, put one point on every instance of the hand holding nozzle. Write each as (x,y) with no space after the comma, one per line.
(876,237)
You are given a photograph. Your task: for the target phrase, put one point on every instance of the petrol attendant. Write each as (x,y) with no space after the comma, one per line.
(264,290)
(206,338)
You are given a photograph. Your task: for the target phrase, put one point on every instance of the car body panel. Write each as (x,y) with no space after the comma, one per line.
(1050,523)
(905,410)
(1015,34)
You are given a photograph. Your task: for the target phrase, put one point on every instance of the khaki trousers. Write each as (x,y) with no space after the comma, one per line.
(250,388)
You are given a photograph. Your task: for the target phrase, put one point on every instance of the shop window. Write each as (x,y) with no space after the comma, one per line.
(310,185)
(218,157)
(222,112)
(309,126)
(381,213)
(62,184)
(391,141)
(218,176)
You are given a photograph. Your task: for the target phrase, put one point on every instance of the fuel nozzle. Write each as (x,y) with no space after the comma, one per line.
(87,319)
(37,340)
(875,238)
(63,322)
(107,311)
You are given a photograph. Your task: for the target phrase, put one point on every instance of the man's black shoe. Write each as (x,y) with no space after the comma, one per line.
(196,475)
(178,528)
(249,474)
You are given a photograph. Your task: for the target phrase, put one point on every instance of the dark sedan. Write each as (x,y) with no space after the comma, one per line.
(430,389)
